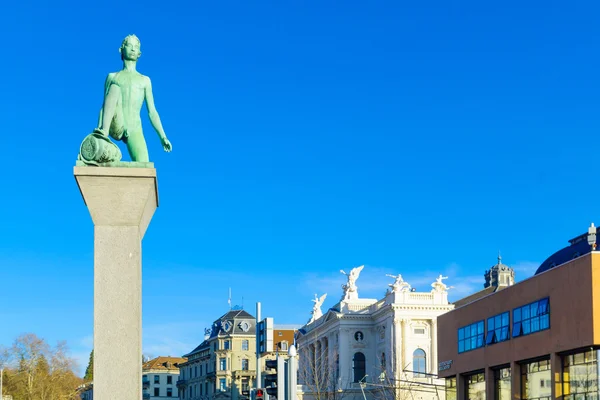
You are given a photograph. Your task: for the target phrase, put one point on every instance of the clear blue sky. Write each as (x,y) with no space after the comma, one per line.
(414,137)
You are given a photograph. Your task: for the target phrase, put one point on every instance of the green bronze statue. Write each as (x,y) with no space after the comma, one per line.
(124,94)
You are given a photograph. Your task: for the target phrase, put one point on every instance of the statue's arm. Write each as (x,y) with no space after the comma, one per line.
(107,84)
(152,113)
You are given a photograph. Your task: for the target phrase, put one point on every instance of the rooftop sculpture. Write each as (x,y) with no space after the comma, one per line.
(439,286)
(399,285)
(316,311)
(350,288)
(124,94)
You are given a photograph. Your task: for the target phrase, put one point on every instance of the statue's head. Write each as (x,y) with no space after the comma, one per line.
(130,48)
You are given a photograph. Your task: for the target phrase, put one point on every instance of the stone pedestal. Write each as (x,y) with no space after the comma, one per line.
(121,201)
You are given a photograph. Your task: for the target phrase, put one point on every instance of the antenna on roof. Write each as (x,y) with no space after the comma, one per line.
(229,299)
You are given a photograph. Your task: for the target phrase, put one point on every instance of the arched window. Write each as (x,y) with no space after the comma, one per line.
(358,365)
(419,363)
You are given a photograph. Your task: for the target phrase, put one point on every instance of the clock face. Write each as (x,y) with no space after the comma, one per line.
(227,326)
(245,326)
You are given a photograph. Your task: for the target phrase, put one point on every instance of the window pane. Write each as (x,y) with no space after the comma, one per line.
(526,326)
(480,327)
(543,306)
(490,324)
(498,321)
(473,329)
(461,346)
(516,315)
(461,334)
(490,337)
(516,329)
(535,324)
(534,309)
(479,340)
(505,319)
(545,321)
(525,312)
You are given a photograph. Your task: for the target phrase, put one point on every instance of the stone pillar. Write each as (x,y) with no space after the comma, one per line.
(404,356)
(490,383)
(556,369)
(515,379)
(121,202)
(397,349)
(434,358)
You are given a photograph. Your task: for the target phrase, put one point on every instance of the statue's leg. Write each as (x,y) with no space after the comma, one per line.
(136,145)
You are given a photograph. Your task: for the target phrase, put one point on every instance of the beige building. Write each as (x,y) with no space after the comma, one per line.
(223,366)
(159,377)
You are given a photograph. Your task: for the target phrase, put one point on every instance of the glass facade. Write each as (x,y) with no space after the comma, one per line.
(451,388)
(497,328)
(502,384)
(531,318)
(470,337)
(580,376)
(536,381)
(475,387)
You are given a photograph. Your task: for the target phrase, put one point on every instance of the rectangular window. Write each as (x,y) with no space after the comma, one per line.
(156,378)
(196,371)
(245,364)
(581,376)
(169,392)
(451,388)
(419,331)
(222,364)
(200,369)
(475,386)
(533,378)
(284,346)
(156,392)
(497,328)
(470,337)
(222,384)
(169,380)
(245,345)
(226,344)
(502,384)
(245,384)
(531,318)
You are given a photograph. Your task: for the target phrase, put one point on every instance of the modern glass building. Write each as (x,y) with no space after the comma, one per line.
(537,339)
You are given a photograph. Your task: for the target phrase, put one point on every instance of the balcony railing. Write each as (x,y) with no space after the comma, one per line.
(146,395)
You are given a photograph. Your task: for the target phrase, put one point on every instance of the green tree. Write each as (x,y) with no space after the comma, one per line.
(89,371)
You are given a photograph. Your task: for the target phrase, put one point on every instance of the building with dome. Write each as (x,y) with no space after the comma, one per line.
(373,348)
(536,339)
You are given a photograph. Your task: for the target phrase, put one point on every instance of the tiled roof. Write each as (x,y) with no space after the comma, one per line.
(164,363)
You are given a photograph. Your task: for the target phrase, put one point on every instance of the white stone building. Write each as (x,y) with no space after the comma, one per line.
(159,377)
(388,345)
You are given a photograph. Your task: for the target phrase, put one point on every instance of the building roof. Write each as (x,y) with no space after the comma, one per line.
(164,363)
(477,295)
(199,348)
(578,246)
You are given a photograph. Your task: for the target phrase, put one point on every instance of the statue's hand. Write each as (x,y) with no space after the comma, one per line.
(166,144)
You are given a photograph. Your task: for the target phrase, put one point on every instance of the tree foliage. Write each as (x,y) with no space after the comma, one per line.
(89,371)
(34,370)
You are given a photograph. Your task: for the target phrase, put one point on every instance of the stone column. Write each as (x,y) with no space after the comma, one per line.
(404,356)
(397,349)
(121,202)
(434,358)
